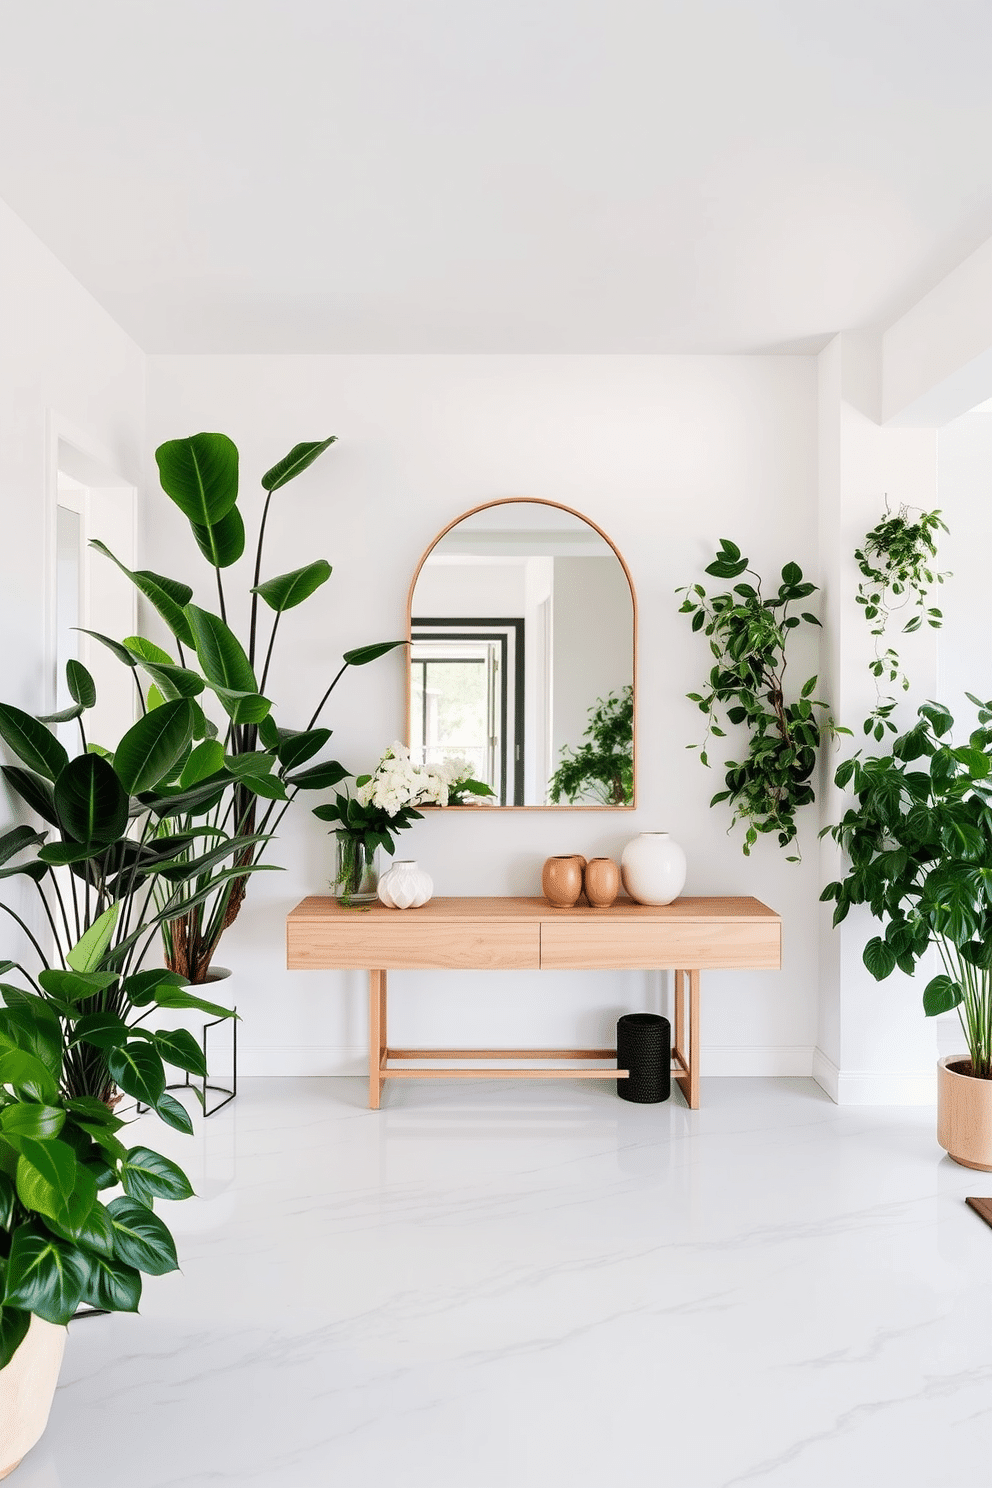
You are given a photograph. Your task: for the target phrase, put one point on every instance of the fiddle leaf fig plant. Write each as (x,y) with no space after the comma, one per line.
(897,562)
(239,769)
(919,840)
(748,633)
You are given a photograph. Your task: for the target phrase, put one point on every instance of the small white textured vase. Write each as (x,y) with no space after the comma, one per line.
(405,886)
(652,867)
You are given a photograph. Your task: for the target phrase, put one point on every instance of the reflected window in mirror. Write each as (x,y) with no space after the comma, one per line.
(522,629)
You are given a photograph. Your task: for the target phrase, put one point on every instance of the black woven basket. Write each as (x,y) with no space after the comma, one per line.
(644,1047)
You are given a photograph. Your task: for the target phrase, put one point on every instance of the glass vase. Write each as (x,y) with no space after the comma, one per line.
(356,870)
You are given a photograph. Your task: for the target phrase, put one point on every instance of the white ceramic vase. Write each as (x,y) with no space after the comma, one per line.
(405,886)
(653,867)
(27,1388)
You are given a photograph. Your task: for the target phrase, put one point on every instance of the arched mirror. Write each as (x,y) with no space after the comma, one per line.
(522,648)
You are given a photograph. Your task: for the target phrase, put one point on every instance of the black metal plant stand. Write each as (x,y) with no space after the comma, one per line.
(227,1092)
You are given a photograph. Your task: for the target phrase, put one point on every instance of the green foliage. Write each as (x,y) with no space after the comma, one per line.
(919,841)
(60,1245)
(229,783)
(898,571)
(604,767)
(748,636)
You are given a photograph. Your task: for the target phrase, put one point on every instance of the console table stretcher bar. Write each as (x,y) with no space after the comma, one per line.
(689,936)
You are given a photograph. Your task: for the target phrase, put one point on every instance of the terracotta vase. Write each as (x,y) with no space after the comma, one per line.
(27,1388)
(561,881)
(602,882)
(964,1113)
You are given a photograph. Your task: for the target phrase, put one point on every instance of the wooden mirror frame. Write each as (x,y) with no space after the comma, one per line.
(559,506)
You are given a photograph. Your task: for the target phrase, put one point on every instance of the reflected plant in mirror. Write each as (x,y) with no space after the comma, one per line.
(522,638)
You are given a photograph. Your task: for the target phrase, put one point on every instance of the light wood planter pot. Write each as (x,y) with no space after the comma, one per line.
(964,1114)
(27,1389)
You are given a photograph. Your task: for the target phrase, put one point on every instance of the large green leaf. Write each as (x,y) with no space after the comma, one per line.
(290,589)
(33,870)
(223,542)
(151,747)
(17,839)
(89,950)
(294,748)
(144,650)
(72,986)
(121,652)
(93,1232)
(14,1324)
(104,1030)
(138,1070)
(29,1023)
(60,854)
(37,793)
(178,997)
(27,1075)
(362,655)
(206,759)
(163,593)
(147,1176)
(31,742)
(940,995)
(175,681)
(82,688)
(111,1285)
(140,988)
(44,1275)
(169,1110)
(242,707)
(177,1046)
(30,1119)
(319,777)
(879,958)
(200,474)
(141,1239)
(293,464)
(92,804)
(221,654)
(46,1175)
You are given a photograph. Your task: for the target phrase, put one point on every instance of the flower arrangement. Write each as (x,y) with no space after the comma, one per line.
(385,803)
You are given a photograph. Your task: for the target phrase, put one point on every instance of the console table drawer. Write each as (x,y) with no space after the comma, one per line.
(614,944)
(401,941)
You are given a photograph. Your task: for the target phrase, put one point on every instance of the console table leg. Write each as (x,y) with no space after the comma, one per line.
(377,1035)
(693,1092)
(688,1079)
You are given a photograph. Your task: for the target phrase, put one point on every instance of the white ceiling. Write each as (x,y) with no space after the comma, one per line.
(499,175)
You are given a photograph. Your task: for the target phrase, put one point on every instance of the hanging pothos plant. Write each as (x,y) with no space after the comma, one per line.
(898,571)
(748,635)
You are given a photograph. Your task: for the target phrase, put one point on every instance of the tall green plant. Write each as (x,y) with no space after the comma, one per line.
(256,765)
(748,635)
(919,841)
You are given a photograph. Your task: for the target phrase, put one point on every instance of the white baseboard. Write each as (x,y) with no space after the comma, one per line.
(757,1059)
(874,1087)
(352,1059)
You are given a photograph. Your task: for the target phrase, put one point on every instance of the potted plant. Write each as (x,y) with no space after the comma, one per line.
(384,803)
(255,765)
(919,841)
(604,767)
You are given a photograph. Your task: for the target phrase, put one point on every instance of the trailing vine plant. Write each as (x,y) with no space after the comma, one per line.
(898,571)
(748,636)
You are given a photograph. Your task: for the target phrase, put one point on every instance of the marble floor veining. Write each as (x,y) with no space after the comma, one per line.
(537,1285)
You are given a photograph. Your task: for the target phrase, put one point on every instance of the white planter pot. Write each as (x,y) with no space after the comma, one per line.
(405,886)
(27,1388)
(653,868)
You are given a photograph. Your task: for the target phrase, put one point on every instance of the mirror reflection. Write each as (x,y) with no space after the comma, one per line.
(522,657)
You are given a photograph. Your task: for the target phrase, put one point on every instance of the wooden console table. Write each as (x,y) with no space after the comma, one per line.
(689,936)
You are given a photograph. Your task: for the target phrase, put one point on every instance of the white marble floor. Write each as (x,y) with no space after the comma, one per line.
(538,1285)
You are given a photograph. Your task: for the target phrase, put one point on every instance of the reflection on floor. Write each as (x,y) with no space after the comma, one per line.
(534,1286)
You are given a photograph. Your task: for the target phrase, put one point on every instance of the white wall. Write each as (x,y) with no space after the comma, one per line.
(667,454)
(65,367)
